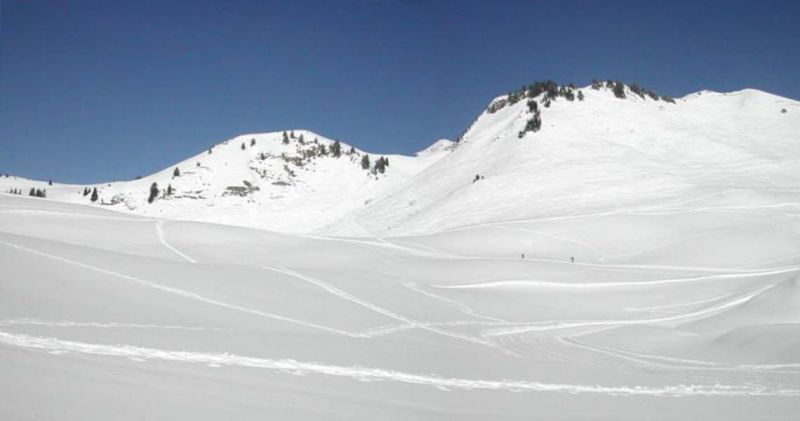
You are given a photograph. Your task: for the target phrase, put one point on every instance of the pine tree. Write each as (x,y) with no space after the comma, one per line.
(169,190)
(352,150)
(580,95)
(292,134)
(94,195)
(301,139)
(50,183)
(637,90)
(619,90)
(177,172)
(253,142)
(365,162)
(32,192)
(336,149)
(153,192)
(243,146)
(285,139)
(380,165)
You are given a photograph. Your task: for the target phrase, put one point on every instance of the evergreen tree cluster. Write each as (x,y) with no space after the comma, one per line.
(549,88)
(37,193)
(177,172)
(619,90)
(380,165)
(534,123)
(317,150)
(94,195)
(14,191)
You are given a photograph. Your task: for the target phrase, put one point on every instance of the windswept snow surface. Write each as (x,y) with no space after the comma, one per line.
(106,316)
(405,295)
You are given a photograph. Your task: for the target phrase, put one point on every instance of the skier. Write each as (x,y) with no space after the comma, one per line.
(572,259)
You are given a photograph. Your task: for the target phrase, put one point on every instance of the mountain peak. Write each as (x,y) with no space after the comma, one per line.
(440,146)
(543,151)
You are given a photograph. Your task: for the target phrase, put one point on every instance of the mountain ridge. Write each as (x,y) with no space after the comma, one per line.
(291,181)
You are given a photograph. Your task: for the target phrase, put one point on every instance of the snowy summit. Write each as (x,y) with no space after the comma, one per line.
(546,150)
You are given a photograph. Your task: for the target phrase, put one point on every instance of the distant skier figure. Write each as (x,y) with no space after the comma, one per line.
(523,255)
(572,259)
(477,177)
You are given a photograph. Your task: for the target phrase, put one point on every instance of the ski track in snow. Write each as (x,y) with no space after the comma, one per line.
(457,304)
(561,325)
(676,363)
(184,293)
(378,309)
(622,284)
(661,307)
(108,325)
(59,347)
(427,251)
(163,240)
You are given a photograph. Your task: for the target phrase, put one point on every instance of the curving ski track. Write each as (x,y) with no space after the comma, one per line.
(60,347)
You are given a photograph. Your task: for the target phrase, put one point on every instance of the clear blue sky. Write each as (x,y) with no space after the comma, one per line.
(96,90)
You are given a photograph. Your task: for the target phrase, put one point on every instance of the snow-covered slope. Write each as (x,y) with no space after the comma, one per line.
(593,154)
(601,154)
(631,257)
(295,184)
(112,316)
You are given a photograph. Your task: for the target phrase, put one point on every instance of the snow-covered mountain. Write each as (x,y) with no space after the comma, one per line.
(542,152)
(578,254)
(293,181)
(599,154)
